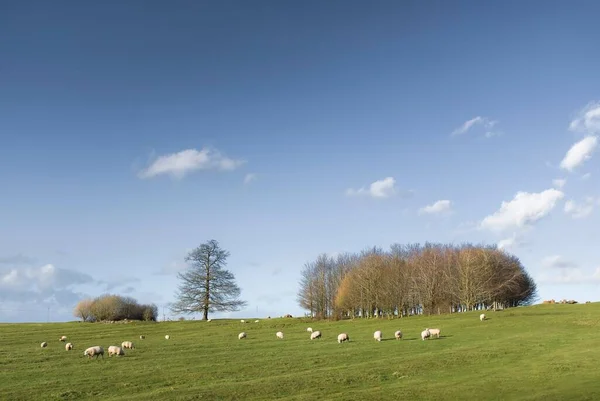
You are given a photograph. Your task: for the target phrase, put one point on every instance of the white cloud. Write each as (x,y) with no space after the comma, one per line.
(557,262)
(586,176)
(249,178)
(587,119)
(491,134)
(40,284)
(514,241)
(572,276)
(559,182)
(379,189)
(525,209)
(438,207)
(579,153)
(580,210)
(181,163)
(483,121)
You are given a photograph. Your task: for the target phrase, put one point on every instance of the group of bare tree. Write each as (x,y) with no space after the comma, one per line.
(114,308)
(414,279)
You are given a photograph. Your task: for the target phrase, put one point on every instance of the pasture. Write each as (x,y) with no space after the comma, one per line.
(543,352)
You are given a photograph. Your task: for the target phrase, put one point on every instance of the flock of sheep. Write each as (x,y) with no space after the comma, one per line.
(425,334)
(116,350)
(98,350)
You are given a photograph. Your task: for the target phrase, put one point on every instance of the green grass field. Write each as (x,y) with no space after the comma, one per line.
(543,352)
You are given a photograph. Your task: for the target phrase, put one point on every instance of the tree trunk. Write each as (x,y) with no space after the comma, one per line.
(206,294)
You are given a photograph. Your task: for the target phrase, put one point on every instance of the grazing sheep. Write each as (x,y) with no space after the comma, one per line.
(44,344)
(127,344)
(279,334)
(315,334)
(241,335)
(68,346)
(434,332)
(94,351)
(63,338)
(378,335)
(310,330)
(167,337)
(256,321)
(209,320)
(482,317)
(114,350)
(398,335)
(425,334)
(142,337)
(243,321)
(343,337)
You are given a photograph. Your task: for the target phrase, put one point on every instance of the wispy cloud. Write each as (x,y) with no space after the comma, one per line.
(172,268)
(484,122)
(438,207)
(523,210)
(580,152)
(384,188)
(580,210)
(586,176)
(186,161)
(18,259)
(249,178)
(559,182)
(571,276)
(557,262)
(561,271)
(587,119)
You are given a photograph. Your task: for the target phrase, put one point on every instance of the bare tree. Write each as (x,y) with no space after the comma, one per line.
(83,310)
(414,279)
(206,286)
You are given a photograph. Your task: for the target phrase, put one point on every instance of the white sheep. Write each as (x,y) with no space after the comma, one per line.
(63,338)
(167,337)
(279,334)
(398,335)
(482,317)
(209,320)
(425,334)
(315,334)
(434,332)
(94,351)
(343,337)
(241,335)
(243,321)
(68,346)
(115,350)
(256,321)
(378,335)
(44,344)
(142,337)
(127,345)
(310,330)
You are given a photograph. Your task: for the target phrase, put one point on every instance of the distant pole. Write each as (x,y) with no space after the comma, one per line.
(48,314)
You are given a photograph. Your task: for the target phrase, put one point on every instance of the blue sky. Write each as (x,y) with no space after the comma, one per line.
(132,132)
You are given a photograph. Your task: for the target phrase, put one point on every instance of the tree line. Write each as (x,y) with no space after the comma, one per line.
(414,279)
(114,308)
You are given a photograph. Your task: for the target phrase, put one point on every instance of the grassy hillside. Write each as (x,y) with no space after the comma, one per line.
(547,352)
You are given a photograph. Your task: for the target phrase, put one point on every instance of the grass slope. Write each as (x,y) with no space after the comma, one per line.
(547,352)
